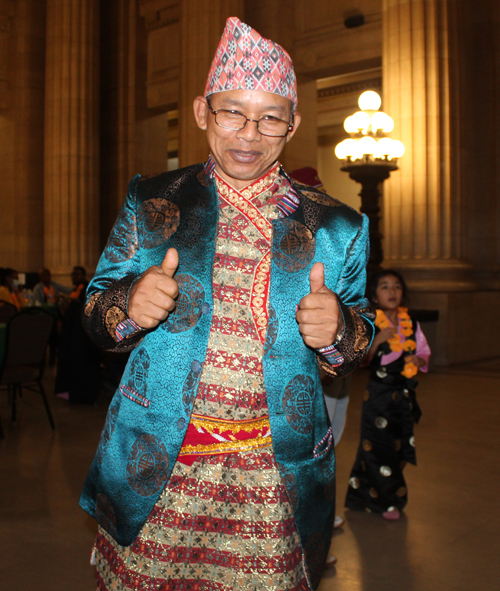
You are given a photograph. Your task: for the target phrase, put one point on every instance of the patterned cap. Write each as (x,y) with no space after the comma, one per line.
(245,60)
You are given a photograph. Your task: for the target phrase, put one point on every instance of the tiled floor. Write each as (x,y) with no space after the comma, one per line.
(447,539)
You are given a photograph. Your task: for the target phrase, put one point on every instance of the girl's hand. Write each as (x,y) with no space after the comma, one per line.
(418,361)
(384,335)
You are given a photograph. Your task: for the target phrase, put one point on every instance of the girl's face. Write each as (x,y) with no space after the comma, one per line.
(389,293)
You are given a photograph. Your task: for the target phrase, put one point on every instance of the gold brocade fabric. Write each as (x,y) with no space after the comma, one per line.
(223,523)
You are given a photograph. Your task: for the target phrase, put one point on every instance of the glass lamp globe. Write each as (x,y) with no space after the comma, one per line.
(367,145)
(340,150)
(360,120)
(346,149)
(381,121)
(397,149)
(349,125)
(383,147)
(369,100)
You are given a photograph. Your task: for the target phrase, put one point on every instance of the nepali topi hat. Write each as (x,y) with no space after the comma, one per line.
(246,60)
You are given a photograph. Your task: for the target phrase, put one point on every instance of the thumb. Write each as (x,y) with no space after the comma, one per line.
(317,277)
(170,262)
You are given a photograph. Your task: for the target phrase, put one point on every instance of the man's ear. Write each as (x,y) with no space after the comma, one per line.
(296,122)
(200,108)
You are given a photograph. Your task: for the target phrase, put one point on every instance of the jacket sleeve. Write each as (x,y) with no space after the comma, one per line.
(105,314)
(358,315)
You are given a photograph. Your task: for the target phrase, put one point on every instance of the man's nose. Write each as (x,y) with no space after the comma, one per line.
(250,132)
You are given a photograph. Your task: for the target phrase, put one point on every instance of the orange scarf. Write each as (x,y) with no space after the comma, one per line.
(396,344)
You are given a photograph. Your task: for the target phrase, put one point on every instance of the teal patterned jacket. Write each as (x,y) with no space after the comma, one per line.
(150,412)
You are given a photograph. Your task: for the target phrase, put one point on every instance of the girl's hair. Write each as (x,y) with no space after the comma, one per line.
(377,276)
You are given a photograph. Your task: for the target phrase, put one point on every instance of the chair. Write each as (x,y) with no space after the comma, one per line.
(7,311)
(26,341)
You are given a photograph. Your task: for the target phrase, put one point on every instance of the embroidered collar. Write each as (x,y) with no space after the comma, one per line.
(275,180)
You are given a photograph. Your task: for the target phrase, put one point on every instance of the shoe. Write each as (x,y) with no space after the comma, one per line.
(391,515)
(330,561)
(339,521)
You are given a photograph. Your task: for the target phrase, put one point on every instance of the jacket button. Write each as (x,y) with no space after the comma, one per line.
(181,424)
(205,309)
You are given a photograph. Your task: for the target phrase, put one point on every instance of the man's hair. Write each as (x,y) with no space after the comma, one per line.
(374,280)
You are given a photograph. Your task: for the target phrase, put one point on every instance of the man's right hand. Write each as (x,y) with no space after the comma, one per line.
(152,297)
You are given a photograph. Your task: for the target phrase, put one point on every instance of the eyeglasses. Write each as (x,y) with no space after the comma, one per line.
(267,125)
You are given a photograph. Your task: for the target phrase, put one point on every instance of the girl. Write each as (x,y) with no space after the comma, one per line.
(390,408)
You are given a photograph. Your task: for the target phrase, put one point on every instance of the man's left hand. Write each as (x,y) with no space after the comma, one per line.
(319,315)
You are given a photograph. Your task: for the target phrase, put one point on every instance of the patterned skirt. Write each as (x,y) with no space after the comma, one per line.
(222,524)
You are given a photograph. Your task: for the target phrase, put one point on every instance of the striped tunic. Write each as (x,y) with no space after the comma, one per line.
(223,521)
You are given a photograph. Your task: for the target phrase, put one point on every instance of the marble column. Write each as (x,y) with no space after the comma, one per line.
(423,224)
(201,30)
(71,183)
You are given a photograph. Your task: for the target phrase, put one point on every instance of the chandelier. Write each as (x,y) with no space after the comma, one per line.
(368,129)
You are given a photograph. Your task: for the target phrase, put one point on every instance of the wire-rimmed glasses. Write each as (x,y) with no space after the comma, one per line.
(267,125)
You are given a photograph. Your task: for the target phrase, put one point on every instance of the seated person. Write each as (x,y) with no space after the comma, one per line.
(9,288)
(79,280)
(48,291)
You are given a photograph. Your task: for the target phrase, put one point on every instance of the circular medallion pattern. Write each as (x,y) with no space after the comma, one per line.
(381,422)
(147,465)
(189,307)
(367,445)
(89,306)
(293,245)
(385,471)
(122,243)
(354,482)
(189,387)
(297,403)
(381,373)
(159,218)
(139,372)
(114,316)
(107,432)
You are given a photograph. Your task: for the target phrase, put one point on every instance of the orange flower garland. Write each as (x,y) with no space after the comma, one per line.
(395,342)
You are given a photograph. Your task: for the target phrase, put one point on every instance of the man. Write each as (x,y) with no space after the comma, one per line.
(79,281)
(215,468)
(78,376)
(48,291)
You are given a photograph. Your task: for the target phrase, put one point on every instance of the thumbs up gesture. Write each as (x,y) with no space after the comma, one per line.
(152,297)
(319,315)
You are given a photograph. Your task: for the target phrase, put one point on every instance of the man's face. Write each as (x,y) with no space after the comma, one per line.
(76,277)
(244,156)
(45,277)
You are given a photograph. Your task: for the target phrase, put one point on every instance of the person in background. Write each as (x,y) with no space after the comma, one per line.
(390,408)
(230,283)
(79,280)
(79,376)
(48,291)
(9,288)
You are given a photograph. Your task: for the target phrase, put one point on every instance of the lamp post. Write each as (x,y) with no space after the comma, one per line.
(369,157)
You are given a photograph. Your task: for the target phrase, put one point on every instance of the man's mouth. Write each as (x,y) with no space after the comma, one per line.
(245,156)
